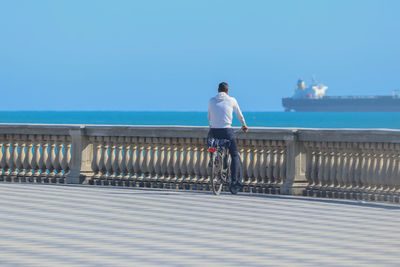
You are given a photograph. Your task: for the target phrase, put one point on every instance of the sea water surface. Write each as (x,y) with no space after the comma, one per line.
(253,119)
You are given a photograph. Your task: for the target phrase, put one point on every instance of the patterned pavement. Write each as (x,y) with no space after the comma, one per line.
(58,225)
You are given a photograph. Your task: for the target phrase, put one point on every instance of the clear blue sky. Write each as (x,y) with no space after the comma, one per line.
(170,55)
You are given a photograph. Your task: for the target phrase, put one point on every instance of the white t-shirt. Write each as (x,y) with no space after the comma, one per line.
(220,109)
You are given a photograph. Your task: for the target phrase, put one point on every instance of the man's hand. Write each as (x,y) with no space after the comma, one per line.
(245,128)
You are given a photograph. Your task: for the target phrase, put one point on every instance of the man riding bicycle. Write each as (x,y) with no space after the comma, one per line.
(220,109)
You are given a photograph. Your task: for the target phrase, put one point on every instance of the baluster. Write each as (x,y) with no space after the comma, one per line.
(113,158)
(173,161)
(352,162)
(314,165)
(206,172)
(345,166)
(21,157)
(167,161)
(276,160)
(357,165)
(51,158)
(282,162)
(119,160)
(128,159)
(269,163)
(67,158)
(188,161)
(251,160)
(146,158)
(102,159)
(117,172)
(336,166)
(36,158)
(134,161)
(43,158)
(326,166)
(123,164)
(154,160)
(364,165)
(379,170)
(261,163)
(258,154)
(160,160)
(320,160)
(246,163)
(200,163)
(357,168)
(96,156)
(374,168)
(388,165)
(352,156)
(339,168)
(178,169)
(7,157)
(58,158)
(331,166)
(108,158)
(140,159)
(253,163)
(371,163)
(185,160)
(13,157)
(193,163)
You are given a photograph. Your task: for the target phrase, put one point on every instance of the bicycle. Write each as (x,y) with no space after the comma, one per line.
(220,166)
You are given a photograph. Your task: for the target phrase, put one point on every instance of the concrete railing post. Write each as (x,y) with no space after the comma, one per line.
(81,158)
(296,181)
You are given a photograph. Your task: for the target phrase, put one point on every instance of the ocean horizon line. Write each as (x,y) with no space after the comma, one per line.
(205,111)
(77,110)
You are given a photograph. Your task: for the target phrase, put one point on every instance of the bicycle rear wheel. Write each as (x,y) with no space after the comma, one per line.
(216,174)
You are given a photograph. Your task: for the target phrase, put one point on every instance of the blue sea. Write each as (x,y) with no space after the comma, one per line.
(254,119)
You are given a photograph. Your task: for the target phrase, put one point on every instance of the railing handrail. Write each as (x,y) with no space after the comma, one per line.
(266,133)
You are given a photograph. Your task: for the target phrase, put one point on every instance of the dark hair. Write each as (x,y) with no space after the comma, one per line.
(223,87)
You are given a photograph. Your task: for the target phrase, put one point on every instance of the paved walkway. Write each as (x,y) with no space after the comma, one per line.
(49,225)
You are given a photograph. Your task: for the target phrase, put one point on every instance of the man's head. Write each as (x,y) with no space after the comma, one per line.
(223,87)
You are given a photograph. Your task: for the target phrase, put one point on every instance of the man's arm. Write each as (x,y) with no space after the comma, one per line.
(239,115)
(209,114)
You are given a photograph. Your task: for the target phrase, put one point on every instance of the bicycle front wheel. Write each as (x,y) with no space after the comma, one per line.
(216,175)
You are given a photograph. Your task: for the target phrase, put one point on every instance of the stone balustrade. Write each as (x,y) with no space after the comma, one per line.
(41,157)
(352,164)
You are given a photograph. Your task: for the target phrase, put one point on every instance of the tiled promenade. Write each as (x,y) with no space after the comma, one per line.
(46,225)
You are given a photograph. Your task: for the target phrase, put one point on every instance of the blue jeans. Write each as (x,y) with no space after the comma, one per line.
(227,133)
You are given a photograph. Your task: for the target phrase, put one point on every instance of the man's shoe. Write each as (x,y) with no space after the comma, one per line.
(234,189)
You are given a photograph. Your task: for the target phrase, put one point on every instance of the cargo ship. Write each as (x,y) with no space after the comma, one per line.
(314,98)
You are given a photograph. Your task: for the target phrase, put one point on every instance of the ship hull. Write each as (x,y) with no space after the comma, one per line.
(381,104)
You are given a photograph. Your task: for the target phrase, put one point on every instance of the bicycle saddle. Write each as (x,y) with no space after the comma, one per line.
(222,143)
